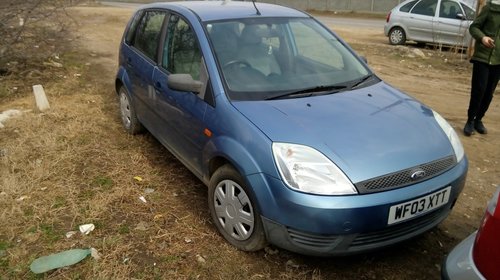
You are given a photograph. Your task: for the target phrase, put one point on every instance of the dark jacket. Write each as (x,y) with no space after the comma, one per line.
(487,23)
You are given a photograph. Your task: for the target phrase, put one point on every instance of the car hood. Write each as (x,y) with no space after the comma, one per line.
(367,132)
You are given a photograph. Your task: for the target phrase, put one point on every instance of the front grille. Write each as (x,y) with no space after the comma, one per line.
(398,231)
(403,178)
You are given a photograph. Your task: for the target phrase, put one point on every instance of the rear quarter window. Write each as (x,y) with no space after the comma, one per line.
(407,7)
(425,7)
(148,31)
(129,37)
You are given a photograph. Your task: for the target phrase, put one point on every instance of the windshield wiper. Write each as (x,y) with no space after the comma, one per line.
(317,90)
(361,81)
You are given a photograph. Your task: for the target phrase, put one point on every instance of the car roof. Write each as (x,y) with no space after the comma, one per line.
(222,10)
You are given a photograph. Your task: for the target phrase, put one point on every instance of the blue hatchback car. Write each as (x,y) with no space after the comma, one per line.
(300,144)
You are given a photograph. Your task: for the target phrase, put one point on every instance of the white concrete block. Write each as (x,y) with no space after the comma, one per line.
(41,99)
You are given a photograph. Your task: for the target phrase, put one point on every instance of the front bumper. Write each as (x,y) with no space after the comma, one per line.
(342,225)
(459,264)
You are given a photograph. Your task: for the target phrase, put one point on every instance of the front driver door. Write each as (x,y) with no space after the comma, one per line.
(449,29)
(182,112)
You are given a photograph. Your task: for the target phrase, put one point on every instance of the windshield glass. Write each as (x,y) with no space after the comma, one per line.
(267,57)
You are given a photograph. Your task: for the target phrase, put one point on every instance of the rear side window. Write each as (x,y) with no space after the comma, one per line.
(425,7)
(148,33)
(407,7)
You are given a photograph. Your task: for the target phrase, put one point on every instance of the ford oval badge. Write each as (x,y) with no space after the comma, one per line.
(417,175)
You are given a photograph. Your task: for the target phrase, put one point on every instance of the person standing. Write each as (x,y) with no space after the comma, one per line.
(486,65)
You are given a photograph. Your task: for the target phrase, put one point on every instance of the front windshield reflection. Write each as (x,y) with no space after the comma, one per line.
(261,58)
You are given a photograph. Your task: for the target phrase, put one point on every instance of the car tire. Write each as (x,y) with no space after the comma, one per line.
(234,210)
(397,36)
(127,113)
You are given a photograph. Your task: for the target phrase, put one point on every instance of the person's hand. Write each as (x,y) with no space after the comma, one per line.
(488,42)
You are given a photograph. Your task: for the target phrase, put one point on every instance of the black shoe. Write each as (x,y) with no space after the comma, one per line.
(479,126)
(469,128)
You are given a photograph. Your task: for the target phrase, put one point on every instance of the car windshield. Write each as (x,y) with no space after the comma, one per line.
(269,58)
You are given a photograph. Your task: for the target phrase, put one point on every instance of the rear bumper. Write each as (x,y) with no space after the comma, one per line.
(459,264)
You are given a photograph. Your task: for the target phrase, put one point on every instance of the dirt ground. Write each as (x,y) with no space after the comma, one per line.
(74,164)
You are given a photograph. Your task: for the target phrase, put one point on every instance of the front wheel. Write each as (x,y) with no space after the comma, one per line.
(233,211)
(397,36)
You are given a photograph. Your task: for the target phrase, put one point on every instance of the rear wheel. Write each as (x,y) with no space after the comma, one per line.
(397,36)
(127,112)
(233,210)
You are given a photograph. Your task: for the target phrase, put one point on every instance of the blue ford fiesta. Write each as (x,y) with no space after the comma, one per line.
(299,143)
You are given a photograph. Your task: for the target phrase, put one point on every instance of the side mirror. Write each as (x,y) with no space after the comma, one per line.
(460,16)
(184,82)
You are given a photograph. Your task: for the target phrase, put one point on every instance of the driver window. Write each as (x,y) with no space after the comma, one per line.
(181,53)
(449,9)
(425,7)
(469,13)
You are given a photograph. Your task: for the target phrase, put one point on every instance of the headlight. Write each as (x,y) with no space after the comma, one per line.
(452,136)
(307,170)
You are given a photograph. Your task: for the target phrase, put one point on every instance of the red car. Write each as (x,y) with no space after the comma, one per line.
(478,256)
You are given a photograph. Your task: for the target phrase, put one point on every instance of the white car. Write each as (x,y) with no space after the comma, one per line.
(430,21)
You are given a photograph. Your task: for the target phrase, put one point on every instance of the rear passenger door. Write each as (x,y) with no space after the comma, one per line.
(420,25)
(140,63)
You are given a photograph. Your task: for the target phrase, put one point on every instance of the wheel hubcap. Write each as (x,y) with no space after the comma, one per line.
(234,210)
(125,109)
(396,36)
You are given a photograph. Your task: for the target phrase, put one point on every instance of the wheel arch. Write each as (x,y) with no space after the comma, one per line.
(222,150)
(122,79)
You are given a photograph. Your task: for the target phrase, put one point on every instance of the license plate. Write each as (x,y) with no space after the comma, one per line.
(419,206)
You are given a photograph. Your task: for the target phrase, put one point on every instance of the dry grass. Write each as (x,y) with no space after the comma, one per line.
(74,164)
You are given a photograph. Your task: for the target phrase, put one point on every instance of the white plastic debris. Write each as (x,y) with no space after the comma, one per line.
(70,233)
(5,115)
(143,199)
(22,198)
(142,226)
(53,64)
(87,228)
(200,259)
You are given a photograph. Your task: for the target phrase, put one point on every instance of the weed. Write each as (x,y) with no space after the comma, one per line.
(59,202)
(49,233)
(124,229)
(105,183)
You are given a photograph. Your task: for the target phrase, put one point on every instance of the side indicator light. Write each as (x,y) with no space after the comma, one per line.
(207,132)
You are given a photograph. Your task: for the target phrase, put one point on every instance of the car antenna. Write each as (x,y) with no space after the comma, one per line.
(255,6)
